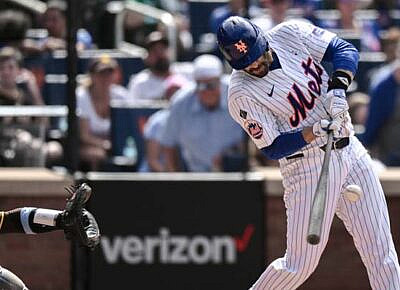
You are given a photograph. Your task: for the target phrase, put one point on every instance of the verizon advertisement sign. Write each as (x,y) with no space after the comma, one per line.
(168,249)
(178,234)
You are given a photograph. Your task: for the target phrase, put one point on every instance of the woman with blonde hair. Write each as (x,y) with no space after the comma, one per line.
(93,103)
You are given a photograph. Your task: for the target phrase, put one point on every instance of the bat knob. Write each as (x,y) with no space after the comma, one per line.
(313,239)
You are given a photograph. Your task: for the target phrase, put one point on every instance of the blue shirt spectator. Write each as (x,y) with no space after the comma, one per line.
(154,160)
(383,121)
(199,122)
(152,133)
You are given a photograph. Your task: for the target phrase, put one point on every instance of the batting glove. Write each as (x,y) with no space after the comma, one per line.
(346,127)
(340,129)
(335,103)
(321,128)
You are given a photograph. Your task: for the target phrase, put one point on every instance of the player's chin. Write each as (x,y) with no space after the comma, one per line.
(260,73)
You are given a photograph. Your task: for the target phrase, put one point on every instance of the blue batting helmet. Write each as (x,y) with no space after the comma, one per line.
(241,42)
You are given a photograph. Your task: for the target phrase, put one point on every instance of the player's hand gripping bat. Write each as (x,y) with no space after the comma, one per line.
(318,207)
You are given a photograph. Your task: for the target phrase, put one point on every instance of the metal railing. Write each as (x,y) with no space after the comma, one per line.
(21,143)
(35,6)
(33,111)
(162,16)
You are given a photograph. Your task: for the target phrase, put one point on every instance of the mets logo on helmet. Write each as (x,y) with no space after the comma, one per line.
(241,46)
(254,128)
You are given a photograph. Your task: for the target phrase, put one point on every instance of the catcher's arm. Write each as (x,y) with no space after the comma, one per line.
(77,223)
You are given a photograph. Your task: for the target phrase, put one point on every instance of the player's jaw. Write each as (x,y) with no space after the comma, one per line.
(260,67)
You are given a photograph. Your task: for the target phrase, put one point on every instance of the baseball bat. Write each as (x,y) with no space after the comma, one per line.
(318,207)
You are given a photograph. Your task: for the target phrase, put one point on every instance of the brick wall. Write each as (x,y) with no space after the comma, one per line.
(41,261)
(340,266)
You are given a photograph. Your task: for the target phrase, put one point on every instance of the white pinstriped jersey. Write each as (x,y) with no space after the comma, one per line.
(286,99)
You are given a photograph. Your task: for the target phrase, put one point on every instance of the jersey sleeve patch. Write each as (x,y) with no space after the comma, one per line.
(254,128)
(256,120)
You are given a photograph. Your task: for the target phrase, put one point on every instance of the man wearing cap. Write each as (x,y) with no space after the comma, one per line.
(199,123)
(148,84)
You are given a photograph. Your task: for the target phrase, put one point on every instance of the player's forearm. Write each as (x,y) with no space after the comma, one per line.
(287,144)
(284,145)
(171,159)
(308,134)
(28,220)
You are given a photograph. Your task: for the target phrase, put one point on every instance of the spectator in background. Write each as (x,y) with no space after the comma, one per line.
(384,7)
(358,110)
(153,130)
(383,121)
(13,27)
(219,14)
(368,29)
(21,145)
(17,85)
(54,20)
(137,26)
(277,13)
(148,84)
(199,124)
(308,8)
(93,104)
(390,41)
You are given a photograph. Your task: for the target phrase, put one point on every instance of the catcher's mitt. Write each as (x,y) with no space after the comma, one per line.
(79,224)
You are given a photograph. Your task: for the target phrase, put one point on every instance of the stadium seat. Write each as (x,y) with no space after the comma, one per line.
(128,120)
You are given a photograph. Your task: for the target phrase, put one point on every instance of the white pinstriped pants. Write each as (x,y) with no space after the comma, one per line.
(366,220)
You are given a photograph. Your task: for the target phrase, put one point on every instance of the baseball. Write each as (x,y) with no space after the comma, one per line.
(352,192)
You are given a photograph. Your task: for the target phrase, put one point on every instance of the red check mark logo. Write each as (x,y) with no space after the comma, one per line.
(243,241)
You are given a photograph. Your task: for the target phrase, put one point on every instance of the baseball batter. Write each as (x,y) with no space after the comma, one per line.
(284,99)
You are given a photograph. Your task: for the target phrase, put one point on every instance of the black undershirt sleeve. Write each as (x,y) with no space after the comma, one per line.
(12,223)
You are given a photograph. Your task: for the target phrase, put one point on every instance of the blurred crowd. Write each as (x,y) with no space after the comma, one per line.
(190,129)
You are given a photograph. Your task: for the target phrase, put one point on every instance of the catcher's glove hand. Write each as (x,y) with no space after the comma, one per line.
(79,224)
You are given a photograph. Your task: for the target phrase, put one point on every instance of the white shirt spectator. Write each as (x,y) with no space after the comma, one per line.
(85,109)
(146,85)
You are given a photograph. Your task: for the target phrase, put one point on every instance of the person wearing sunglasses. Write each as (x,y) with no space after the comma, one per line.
(199,129)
